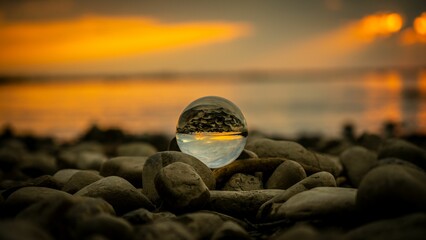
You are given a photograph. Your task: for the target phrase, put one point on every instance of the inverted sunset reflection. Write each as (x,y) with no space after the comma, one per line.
(96,37)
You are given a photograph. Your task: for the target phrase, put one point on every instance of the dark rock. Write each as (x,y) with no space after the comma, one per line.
(20,230)
(397,161)
(240,203)
(26,196)
(230,230)
(9,159)
(201,224)
(391,190)
(79,180)
(122,195)
(312,162)
(62,176)
(370,141)
(129,168)
(181,188)
(143,216)
(398,148)
(320,179)
(61,215)
(42,181)
(159,160)
(407,227)
(243,182)
(136,149)
(86,156)
(37,164)
(297,232)
(105,225)
(165,230)
(358,161)
(318,203)
(285,175)
(247,154)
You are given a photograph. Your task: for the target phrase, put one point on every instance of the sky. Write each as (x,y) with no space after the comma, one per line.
(126,37)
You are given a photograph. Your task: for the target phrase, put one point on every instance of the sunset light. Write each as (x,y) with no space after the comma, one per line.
(420,24)
(95,37)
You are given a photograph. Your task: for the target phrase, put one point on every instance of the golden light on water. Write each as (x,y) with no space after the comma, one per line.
(380,24)
(96,37)
(420,24)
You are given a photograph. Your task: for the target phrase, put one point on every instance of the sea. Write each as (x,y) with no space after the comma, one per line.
(287,103)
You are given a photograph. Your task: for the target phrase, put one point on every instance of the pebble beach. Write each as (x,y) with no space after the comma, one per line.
(109,185)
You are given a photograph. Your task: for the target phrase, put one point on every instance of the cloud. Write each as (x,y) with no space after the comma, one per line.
(328,49)
(93,38)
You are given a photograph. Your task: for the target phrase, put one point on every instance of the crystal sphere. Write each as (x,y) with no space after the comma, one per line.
(212,129)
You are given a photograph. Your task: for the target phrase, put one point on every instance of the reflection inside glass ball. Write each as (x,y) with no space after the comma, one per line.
(212,129)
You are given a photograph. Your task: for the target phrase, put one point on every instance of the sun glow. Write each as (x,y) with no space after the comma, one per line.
(95,37)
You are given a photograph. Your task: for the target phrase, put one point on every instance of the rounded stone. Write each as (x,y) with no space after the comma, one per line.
(159,160)
(181,188)
(286,175)
(358,161)
(391,190)
(105,225)
(129,168)
(230,230)
(136,149)
(79,180)
(398,148)
(122,195)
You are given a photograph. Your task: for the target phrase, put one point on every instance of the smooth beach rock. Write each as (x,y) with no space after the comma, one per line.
(105,225)
(21,229)
(181,188)
(243,182)
(63,175)
(165,230)
(318,203)
(230,230)
(406,227)
(297,232)
(79,180)
(143,216)
(312,162)
(320,179)
(82,157)
(129,168)
(26,196)
(122,195)
(247,154)
(159,160)
(398,148)
(136,149)
(358,161)
(42,181)
(240,203)
(285,175)
(391,190)
(196,223)
(37,164)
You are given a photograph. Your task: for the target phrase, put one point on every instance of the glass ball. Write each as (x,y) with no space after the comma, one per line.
(212,129)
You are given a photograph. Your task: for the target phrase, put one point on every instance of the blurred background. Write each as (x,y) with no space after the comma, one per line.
(293,67)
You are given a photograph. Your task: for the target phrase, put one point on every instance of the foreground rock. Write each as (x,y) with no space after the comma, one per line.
(181,188)
(398,148)
(318,203)
(129,168)
(240,203)
(310,161)
(21,229)
(122,195)
(391,190)
(159,160)
(357,161)
(285,175)
(407,227)
(320,179)
(79,180)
